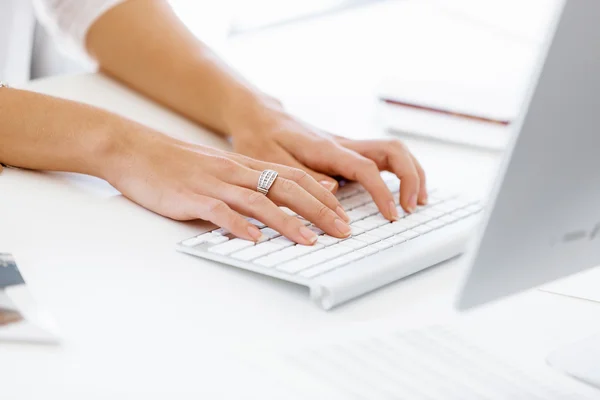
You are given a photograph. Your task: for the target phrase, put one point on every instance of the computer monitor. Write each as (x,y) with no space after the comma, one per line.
(543,220)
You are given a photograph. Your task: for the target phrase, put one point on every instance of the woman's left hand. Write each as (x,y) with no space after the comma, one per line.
(274,136)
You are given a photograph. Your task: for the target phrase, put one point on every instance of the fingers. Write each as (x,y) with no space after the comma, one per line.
(258,206)
(354,166)
(307,182)
(219,213)
(281,156)
(292,195)
(392,155)
(423,195)
(318,208)
(401,163)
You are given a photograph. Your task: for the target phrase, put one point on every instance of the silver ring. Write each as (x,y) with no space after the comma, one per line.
(266,180)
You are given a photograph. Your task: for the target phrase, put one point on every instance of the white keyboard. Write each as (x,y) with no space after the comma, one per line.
(436,363)
(378,252)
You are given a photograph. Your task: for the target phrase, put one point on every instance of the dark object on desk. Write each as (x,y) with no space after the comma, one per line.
(9,273)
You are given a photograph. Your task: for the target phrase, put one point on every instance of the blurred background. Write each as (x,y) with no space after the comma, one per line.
(344,53)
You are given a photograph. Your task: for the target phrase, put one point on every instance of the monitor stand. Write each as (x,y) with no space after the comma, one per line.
(580,360)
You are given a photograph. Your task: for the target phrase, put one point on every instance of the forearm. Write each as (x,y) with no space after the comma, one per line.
(143,44)
(45,133)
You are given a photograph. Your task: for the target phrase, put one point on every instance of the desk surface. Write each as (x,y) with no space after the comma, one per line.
(139,318)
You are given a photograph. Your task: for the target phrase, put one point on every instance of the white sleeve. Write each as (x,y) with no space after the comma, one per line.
(68,21)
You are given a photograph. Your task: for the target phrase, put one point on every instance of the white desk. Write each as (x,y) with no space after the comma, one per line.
(142,320)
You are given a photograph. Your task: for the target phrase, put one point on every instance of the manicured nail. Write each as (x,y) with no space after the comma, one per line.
(329,185)
(340,211)
(394,211)
(255,233)
(308,235)
(342,227)
(412,203)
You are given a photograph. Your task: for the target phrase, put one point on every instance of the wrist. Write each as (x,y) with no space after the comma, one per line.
(253,112)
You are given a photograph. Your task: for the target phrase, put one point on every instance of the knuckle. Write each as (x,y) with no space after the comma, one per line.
(397,144)
(323,212)
(297,175)
(225,164)
(288,186)
(255,199)
(290,222)
(368,165)
(216,207)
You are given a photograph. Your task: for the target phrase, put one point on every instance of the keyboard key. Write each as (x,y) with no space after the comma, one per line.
(461,213)
(473,208)
(450,205)
(448,219)
(436,223)
(217,239)
(433,213)
(377,219)
(381,233)
(287,254)
(353,243)
(256,222)
(304,221)
(283,241)
(356,230)
(369,209)
(356,215)
(401,212)
(420,218)
(348,190)
(316,230)
(368,239)
(398,226)
(367,251)
(326,267)
(318,257)
(421,229)
(327,240)
(394,240)
(257,251)
(231,246)
(195,241)
(367,226)
(353,202)
(270,233)
(384,244)
(221,231)
(410,234)
(288,211)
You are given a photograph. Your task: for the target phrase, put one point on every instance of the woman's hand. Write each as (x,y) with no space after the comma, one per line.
(272,135)
(184,182)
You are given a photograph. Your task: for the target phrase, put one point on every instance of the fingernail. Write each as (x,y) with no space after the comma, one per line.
(394,211)
(340,211)
(308,235)
(424,195)
(412,203)
(343,227)
(329,185)
(255,233)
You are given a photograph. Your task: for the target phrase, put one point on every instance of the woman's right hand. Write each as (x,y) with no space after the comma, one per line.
(183,181)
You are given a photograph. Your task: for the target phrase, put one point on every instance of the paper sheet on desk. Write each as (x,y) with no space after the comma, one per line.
(585,285)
